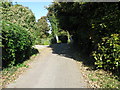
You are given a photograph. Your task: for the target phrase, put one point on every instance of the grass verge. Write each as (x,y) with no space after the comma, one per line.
(96,78)
(99,78)
(104,79)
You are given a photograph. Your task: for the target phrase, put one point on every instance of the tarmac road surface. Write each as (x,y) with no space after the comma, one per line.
(51,69)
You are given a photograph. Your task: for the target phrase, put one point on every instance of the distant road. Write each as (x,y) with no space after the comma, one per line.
(51,69)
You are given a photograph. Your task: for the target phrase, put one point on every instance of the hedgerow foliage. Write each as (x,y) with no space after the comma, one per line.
(16,42)
(93,27)
(17,33)
(107,54)
(20,15)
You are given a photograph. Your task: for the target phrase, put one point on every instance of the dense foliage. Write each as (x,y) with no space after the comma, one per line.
(18,27)
(16,42)
(108,53)
(93,26)
(58,35)
(20,15)
(54,25)
(42,30)
(20,32)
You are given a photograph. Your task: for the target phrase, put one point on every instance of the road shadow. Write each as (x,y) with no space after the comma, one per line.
(31,52)
(71,51)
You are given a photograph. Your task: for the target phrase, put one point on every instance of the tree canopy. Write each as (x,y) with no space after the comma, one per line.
(92,25)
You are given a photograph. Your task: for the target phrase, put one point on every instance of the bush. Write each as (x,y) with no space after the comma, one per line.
(16,42)
(19,15)
(107,55)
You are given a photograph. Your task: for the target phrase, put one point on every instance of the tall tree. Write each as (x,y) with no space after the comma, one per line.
(42,27)
(94,26)
(18,14)
(54,22)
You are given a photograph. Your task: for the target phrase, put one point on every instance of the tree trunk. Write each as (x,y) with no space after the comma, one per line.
(57,39)
(68,35)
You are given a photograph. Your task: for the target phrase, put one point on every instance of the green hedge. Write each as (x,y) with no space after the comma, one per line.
(17,44)
(108,53)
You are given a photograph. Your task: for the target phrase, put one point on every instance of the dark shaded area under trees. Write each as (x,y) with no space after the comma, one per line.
(94,28)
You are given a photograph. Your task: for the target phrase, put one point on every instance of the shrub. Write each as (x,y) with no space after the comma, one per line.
(107,55)
(16,43)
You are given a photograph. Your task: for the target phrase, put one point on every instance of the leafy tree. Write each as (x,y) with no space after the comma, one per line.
(54,22)
(89,23)
(17,43)
(18,28)
(43,27)
(42,30)
(18,14)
